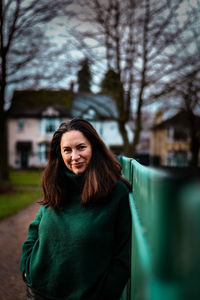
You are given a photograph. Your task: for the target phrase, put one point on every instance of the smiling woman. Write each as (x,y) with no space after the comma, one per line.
(76,151)
(78,246)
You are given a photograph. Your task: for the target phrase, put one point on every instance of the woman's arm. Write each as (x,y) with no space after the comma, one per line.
(121,263)
(29,243)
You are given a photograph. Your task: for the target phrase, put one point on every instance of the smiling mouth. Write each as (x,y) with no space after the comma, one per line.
(78,165)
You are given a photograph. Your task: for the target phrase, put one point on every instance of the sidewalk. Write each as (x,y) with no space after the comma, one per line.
(13,232)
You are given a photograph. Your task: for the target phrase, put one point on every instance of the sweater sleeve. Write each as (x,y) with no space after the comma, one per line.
(119,271)
(29,243)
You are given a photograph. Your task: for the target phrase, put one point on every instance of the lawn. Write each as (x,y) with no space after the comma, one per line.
(25,177)
(26,189)
(11,202)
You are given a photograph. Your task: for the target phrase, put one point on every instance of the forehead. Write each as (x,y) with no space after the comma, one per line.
(73,137)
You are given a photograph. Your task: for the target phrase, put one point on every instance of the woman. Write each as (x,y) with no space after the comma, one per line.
(78,246)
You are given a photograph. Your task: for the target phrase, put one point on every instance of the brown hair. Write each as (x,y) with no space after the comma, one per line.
(101,174)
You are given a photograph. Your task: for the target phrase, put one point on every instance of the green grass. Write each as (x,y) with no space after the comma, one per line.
(12,202)
(26,188)
(25,178)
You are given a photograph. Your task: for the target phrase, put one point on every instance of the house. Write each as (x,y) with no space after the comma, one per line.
(143,146)
(32,119)
(170,140)
(34,116)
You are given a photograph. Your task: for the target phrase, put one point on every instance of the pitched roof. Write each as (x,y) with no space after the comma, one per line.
(102,107)
(180,119)
(31,103)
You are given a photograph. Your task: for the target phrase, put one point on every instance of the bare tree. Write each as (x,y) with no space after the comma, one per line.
(145,42)
(181,90)
(21,36)
(186,90)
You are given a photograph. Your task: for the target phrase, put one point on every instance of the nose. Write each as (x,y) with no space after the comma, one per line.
(75,155)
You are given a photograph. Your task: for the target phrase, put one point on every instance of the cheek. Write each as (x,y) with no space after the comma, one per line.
(89,155)
(65,158)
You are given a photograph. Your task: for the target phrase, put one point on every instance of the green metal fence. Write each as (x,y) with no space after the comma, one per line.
(165,208)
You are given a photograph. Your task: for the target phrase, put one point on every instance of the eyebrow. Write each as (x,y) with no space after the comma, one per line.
(81,144)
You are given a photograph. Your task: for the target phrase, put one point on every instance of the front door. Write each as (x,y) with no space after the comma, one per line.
(24,158)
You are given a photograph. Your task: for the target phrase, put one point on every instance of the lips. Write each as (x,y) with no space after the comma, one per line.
(78,165)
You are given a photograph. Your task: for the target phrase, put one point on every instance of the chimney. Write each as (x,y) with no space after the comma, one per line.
(158,117)
(71,86)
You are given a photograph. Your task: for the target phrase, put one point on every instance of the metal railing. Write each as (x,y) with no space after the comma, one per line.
(165,209)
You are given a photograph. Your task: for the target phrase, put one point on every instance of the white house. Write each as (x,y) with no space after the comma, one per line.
(32,119)
(35,115)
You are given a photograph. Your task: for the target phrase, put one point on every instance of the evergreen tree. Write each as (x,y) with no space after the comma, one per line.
(111,83)
(84,76)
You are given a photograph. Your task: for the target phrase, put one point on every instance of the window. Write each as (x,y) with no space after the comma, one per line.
(49,125)
(180,134)
(43,151)
(20,124)
(177,134)
(170,133)
(177,159)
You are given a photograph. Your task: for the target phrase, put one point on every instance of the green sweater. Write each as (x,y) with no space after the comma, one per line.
(79,252)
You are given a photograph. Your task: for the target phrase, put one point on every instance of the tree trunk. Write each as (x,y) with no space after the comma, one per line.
(3,128)
(127,149)
(138,126)
(4,176)
(3,122)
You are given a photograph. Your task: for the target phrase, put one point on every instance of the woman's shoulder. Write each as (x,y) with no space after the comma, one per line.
(42,210)
(122,187)
(120,195)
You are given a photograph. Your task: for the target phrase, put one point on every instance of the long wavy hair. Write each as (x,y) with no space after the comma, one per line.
(100,176)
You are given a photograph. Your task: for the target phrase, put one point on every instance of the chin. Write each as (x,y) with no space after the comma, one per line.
(78,171)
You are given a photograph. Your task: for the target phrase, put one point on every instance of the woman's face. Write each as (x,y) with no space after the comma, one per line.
(76,151)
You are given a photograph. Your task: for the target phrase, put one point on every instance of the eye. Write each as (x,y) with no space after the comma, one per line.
(67,150)
(81,147)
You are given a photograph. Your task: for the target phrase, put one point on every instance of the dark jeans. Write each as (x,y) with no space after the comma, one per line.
(32,295)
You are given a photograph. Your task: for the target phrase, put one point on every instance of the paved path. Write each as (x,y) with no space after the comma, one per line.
(13,232)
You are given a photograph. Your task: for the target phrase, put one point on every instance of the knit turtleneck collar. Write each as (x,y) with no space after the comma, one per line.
(75,180)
